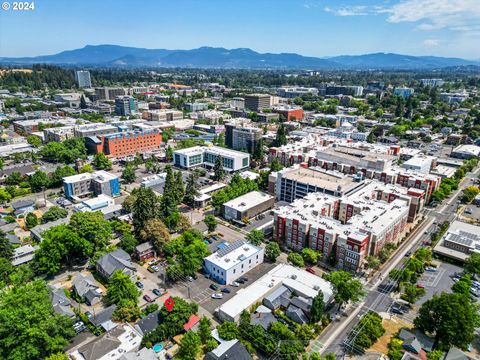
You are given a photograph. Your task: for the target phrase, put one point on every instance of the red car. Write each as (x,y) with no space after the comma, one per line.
(420,286)
(147,298)
(310,270)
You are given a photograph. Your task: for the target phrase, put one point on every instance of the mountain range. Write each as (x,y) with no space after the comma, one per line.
(241,58)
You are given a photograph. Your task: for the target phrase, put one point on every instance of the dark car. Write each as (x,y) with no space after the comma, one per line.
(225,290)
(207,276)
(240,281)
(310,270)
(243,278)
(147,298)
(139,284)
(157,292)
(398,309)
(408,254)
(213,287)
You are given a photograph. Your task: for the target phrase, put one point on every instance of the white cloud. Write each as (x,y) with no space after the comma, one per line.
(431,42)
(456,15)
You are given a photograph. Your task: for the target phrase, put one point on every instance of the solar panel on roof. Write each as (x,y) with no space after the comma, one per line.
(230,248)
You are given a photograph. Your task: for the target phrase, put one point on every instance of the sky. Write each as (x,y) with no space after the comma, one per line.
(308,27)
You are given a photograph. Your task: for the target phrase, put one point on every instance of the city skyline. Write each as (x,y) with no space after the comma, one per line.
(324,27)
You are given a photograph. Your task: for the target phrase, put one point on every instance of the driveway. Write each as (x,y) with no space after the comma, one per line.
(437,282)
(150,281)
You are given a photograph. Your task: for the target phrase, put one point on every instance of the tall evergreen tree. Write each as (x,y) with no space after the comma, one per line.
(143,208)
(219,172)
(179,187)
(191,190)
(281,138)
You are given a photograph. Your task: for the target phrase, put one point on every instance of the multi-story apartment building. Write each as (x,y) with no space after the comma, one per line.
(109,93)
(404,92)
(241,137)
(257,102)
(58,134)
(83,79)
(126,143)
(196,106)
(126,105)
(348,228)
(97,129)
(162,115)
(432,82)
(343,90)
(34,125)
(99,182)
(206,156)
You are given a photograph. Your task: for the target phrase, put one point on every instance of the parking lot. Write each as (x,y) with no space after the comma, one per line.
(437,282)
(199,290)
(150,281)
(471,212)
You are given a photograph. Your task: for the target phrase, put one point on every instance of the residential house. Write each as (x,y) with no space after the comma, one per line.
(145,251)
(23,207)
(148,323)
(61,303)
(263,316)
(142,354)
(113,261)
(23,254)
(86,288)
(104,318)
(233,349)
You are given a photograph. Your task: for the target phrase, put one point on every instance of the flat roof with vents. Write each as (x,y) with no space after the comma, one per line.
(232,254)
(248,201)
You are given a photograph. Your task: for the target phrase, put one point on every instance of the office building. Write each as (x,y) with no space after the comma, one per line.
(234,261)
(432,82)
(420,163)
(98,203)
(466,151)
(454,98)
(83,79)
(96,129)
(238,103)
(247,206)
(99,182)
(58,134)
(35,125)
(343,90)
(126,105)
(257,102)
(162,115)
(459,242)
(196,106)
(404,92)
(109,93)
(289,112)
(126,143)
(291,92)
(239,135)
(206,156)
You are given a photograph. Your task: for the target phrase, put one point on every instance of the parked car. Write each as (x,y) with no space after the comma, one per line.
(157,292)
(79,327)
(408,254)
(217,296)
(150,269)
(207,276)
(310,270)
(155,268)
(430,268)
(213,287)
(89,314)
(398,308)
(468,211)
(147,298)
(139,284)
(243,278)
(240,281)
(420,286)
(189,278)
(152,262)
(235,284)
(225,290)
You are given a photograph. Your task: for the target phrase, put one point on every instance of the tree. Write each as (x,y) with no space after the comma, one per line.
(272,251)
(93,227)
(38,181)
(54,213)
(463,285)
(168,202)
(144,206)
(275,165)
(469,194)
(296,259)
(30,327)
(101,161)
(368,330)
(87,168)
(211,222)
(345,288)
(191,190)
(31,220)
(411,293)
(34,141)
(189,346)
(83,103)
(450,319)
(371,138)
(178,187)
(256,237)
(128,242)
(120,287)
(183,223)
(281,138)
(228,330)
(14,178)
(156,232)
(204,330)
(435,355)
(57,356)
(472,264)
(218,171)
(5,196)
(128,174)
(169,153)
(310,256)
(372,262)
(60,173)
(126,310)
(316,312)
(6,250)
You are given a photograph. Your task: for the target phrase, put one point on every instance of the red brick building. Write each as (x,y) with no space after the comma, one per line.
(290,112)
(126,143)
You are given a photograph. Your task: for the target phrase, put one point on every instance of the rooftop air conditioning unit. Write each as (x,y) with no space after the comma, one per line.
(293,276)
(316,287)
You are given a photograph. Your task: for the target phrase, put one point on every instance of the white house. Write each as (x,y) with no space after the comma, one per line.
(233,261)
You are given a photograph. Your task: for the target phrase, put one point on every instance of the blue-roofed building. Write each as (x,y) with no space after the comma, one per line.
(83,185)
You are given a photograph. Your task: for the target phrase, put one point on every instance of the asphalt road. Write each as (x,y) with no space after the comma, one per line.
(379,288)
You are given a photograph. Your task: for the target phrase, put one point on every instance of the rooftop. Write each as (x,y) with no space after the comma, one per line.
(248,200)
(233,254)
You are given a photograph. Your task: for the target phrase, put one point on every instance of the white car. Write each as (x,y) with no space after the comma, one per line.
(217,296)
(155,268)
(235,284)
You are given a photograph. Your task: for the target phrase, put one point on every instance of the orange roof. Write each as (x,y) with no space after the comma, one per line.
(194,319)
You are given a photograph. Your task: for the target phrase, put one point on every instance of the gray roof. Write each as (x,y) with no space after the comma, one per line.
(102,345)
(113,261)
(235,351)
(296,314)
(456,354)
(39,229)
(13,239)
(61,303)
(412,344)
(277,298)
(302,303)
(20,204)
(405,334)
(262,319)
(148,323)
(144,246)
(142,354)
(103,316)
(83,283)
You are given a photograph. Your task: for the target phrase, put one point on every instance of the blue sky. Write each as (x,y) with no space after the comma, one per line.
(307,27)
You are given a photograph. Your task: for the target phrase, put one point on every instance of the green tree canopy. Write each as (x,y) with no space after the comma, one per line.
(189,346)
(39,180)
(345,288)
(296,259)
(228,330)
(54,213)
(121,288)
(218,171)
(472,264)
(211,222)
(272,251)
(316,312)
(156,232)
(128,174)
(93,227)
(255,237)
(101,161)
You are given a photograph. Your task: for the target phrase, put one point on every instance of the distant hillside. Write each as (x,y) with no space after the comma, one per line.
(242,58)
